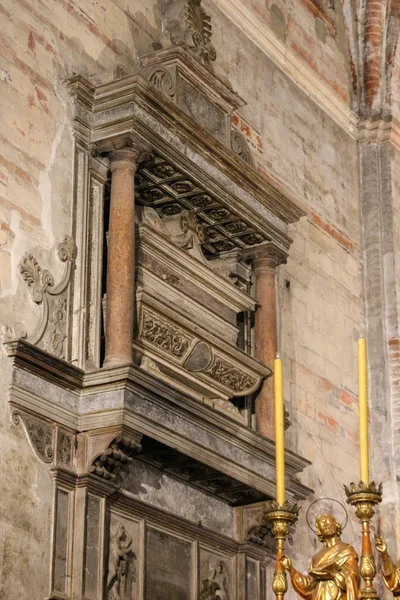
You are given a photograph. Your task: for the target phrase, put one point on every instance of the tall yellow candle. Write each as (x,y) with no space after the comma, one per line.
(279,432)
(363,409)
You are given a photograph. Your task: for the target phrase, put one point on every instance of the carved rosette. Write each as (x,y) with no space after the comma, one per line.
(50,332)
(163,80)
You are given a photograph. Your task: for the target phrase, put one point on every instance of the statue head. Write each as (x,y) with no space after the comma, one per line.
(326,526)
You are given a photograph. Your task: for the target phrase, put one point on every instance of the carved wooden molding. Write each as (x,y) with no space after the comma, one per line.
(50,332)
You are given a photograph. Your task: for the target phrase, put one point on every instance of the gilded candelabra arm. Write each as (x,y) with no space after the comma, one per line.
(281,517)
(364,497)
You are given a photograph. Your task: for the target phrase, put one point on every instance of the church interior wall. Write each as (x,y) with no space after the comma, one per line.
(320,289)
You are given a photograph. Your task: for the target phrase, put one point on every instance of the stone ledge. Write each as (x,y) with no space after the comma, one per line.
(132,398)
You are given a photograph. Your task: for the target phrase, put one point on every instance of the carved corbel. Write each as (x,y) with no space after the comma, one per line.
(51,443)
(50,331)
(104,453)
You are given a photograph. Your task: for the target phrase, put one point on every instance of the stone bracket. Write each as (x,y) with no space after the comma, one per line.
(105,452)
(51,443)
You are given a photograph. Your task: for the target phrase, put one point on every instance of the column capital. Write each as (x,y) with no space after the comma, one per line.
(268,255)
(124,151)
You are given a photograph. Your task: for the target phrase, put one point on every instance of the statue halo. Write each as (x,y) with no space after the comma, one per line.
(328,505)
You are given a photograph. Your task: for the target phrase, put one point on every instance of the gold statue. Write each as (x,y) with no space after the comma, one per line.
(333,572)
(390,573)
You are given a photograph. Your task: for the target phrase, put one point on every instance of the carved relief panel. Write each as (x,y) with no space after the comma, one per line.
(216,577)
(122,569)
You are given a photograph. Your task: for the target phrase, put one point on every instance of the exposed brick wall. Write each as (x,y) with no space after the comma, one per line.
(373,34)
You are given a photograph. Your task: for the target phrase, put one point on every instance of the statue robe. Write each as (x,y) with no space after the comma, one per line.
(391,575)
(333,575)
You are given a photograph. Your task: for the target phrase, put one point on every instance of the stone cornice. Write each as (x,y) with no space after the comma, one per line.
(121,380)
(380,131)
(146,110)
(248,21)
(270,192)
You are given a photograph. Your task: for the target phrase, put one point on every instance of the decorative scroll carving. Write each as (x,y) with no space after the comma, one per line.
(50,443)
(116,457)
(200,32)
(231,376)
(162,80)
(121,566)
(40,434)
(164,335)
(50,332)
(241,148)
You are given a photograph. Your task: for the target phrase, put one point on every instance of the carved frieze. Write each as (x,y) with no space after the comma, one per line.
(163,334)
(202,110)
(231,376)
(50,332)
(194,354)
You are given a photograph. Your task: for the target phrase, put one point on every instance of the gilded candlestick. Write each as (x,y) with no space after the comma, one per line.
(364,497)
(281,517)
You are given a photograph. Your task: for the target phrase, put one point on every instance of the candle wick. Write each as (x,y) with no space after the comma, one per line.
(278,356)
(361,336)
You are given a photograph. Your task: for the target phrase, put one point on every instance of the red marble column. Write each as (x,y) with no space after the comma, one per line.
(121,258)
(265,261)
